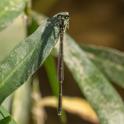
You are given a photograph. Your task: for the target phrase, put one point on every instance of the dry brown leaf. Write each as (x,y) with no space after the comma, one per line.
(73,105)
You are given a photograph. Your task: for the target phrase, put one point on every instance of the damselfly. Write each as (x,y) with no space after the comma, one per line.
(62,27)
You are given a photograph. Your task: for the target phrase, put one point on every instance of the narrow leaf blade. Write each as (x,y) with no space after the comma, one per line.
(9,10)
(99,92)
(109,61)
(27,57)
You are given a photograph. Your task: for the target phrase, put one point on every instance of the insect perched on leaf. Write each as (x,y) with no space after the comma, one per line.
(62,26)
(62,22)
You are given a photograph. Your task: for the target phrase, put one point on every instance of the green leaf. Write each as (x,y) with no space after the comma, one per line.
(49,64)
(50,68)
(9,10)
(109,61)
(97,89)
(5,118)
(28,56)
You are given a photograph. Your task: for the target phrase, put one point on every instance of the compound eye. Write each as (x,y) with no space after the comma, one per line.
(67,16)
(59,16)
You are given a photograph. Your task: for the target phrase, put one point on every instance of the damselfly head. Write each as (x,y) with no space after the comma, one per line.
(63,18)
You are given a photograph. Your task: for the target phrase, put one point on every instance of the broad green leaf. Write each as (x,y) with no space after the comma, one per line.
(93,84)
(9,10)
(28,56)
(49,64)
(21,102)
(9,38)
(5,118)
(96,88)
(109,61)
